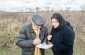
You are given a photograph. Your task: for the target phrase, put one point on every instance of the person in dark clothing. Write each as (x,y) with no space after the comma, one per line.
(61,36)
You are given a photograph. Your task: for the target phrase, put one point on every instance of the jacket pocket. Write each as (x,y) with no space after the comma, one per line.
(28,51)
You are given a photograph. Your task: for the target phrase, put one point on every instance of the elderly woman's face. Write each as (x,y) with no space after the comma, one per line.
(55,22)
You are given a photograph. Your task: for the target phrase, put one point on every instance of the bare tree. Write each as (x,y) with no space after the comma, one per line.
(52,9)
(37,9)
(67,9)
(47,8)
(30,9)
(21,10)
(83,9)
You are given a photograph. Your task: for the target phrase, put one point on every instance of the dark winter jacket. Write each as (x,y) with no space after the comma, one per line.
(62,37)
(26,37)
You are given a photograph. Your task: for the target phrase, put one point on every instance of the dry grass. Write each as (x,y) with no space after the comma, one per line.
(10,23)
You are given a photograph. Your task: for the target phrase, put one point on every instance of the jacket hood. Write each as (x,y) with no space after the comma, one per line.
(61,20)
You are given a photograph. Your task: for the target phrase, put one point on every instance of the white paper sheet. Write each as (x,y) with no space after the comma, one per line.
(45,46)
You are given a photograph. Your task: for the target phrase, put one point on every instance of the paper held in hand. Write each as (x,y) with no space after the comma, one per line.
(45,46)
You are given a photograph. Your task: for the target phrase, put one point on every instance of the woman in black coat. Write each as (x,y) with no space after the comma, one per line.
(62,36)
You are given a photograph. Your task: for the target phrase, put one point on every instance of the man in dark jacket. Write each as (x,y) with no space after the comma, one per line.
(62,36)
(31,35)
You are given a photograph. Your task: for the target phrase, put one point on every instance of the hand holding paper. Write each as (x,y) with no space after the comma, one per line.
(49,37)
(36,41)
(45,46)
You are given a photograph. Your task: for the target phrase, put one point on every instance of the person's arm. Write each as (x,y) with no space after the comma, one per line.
(69,37)
(21,39)
(50,35)
(45,35)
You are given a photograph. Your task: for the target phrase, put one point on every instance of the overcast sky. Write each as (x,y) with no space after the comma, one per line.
(15,5)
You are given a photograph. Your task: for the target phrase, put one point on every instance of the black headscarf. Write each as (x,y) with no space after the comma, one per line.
(61,20)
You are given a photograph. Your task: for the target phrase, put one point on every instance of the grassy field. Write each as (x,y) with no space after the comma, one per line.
(11,22)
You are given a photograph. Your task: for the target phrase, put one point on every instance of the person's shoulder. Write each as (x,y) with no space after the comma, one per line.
(44,27)
(67,29)
(26,25)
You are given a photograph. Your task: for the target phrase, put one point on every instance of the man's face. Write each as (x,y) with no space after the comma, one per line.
(55,22)
(37,26)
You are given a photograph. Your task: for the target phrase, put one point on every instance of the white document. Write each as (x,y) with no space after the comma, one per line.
(45,46)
